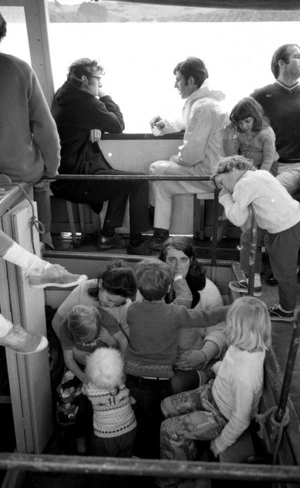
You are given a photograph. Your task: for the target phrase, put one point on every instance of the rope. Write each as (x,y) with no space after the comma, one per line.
(33,221)
(261,419)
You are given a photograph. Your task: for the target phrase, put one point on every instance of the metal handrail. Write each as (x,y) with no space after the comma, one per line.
(147,177)
(107,176)
(148,467)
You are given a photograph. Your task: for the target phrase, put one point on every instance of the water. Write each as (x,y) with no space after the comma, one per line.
(139,58)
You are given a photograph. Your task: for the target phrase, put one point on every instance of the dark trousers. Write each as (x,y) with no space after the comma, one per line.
(116,192)
(283,250)
(148,395)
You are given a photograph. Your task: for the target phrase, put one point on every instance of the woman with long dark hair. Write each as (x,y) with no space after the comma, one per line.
(197,348)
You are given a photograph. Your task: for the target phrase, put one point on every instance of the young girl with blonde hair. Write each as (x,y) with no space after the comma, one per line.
(221,410)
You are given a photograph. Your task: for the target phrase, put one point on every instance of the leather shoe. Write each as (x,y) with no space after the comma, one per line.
(272,281)
(114,241)
(156,242)
(140,250)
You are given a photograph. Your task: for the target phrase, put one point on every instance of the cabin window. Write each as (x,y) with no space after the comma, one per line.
(140,44)
(16,40)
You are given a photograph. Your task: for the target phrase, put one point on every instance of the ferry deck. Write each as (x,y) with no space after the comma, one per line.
(281,337)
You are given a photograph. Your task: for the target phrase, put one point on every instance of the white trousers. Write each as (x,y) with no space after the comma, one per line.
(163,191)
(289,177)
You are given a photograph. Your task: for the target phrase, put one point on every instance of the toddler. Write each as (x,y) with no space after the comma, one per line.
(113,417)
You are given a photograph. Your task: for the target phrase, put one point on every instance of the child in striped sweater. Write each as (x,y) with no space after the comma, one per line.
(113,417)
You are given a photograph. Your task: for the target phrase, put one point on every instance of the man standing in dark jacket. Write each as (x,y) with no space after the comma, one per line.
(83,111)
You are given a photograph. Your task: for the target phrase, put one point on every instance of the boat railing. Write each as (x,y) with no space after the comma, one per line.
(163,468)
(150,178)
(150,468)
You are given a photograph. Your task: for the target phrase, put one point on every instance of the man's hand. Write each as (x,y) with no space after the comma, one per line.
(174,158)
(95,135)
(158,122)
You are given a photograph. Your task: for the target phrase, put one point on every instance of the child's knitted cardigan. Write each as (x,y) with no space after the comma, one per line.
(113,413)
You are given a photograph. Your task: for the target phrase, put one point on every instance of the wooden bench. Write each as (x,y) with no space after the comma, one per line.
(199,213)
(75,218)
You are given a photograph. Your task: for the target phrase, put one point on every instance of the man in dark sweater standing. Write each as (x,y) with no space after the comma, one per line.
(281,102)
(29,142)
(82,111)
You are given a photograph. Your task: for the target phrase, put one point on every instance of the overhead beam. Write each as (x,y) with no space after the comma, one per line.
(36,14)
(228,4)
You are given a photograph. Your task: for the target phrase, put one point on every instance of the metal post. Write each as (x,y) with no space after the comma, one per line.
(288,370)
(252,254)
(215,229)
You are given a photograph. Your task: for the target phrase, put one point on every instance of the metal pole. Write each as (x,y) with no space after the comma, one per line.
(288,370)
(252,254)
(215,230)
(148,467)
(124,177)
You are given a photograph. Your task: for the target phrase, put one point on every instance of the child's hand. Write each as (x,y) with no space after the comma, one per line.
(106,337)
(230,128)
(191,360)
(215,367)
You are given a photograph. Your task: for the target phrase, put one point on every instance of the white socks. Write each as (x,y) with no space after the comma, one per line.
(257,280)
(25,259)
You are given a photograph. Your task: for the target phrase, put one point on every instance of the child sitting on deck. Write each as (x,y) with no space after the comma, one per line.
(221,410)
(154,328)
